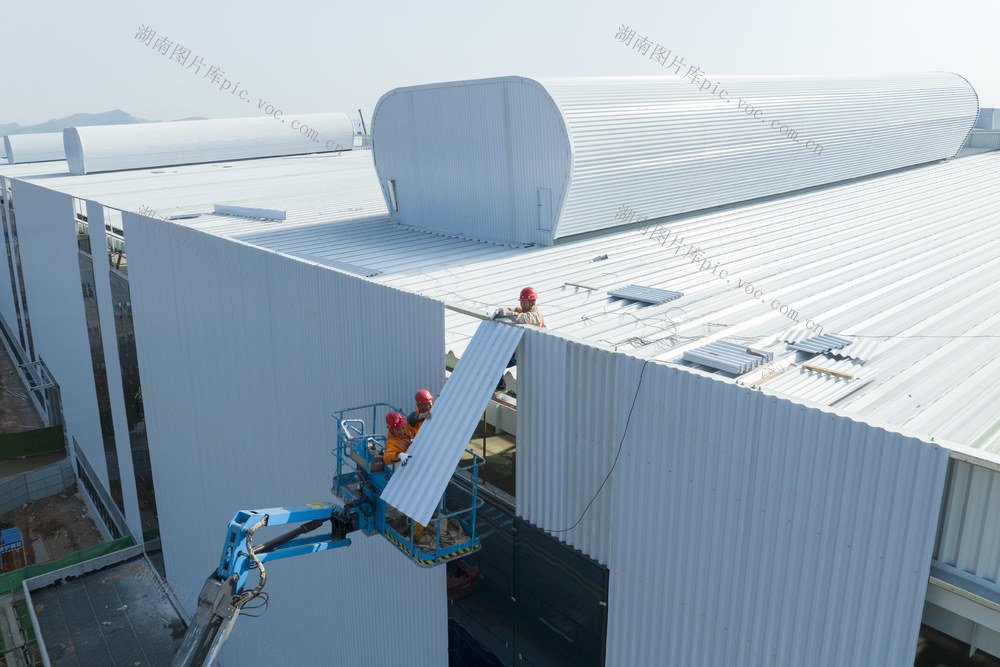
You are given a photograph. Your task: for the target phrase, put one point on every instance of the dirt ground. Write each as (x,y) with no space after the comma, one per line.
(61,522)
(17,412)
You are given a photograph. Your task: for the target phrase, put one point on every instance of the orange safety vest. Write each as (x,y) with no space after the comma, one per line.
(393,446)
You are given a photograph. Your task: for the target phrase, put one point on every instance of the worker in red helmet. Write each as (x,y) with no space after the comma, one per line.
(398,440)
(396,443)
(528,313)
(425,401)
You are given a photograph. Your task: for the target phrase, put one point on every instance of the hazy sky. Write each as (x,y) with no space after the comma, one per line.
(67,57)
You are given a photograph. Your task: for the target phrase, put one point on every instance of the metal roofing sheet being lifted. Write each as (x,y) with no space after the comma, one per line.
(416,489)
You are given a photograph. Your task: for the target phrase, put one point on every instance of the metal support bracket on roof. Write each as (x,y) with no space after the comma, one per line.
(827,371)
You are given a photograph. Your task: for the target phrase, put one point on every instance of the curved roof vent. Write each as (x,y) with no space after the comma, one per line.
(521,160)
(41,147)
(144,145)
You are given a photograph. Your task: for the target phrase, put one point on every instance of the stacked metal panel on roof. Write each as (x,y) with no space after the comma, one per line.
(727,357)
(820,344)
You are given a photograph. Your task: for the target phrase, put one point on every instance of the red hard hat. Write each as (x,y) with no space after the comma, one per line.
(424,397)
(529,294)
(394,420)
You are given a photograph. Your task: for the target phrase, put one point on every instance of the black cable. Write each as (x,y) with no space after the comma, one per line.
(619,453)
(263,597)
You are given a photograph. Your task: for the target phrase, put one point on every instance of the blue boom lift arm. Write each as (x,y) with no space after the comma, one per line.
(223,596)
(361,477)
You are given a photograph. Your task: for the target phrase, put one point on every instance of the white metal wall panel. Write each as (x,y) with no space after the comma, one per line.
(51,268)
(573,401)
(142,145)
(244,355)
(969,537)
(7,266)
(469,157)
(112,364)
(416,489)
(656,144)
(40,147)
(730,515)
(755,531)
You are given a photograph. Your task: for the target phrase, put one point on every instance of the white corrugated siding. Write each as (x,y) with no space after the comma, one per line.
(469,157)
(7,310)
(112,364)
(142,145)
(244,354)
(969,538)
(417,488)
(661,146)
(740,528)
(572,407)
(49,261)
(41,147)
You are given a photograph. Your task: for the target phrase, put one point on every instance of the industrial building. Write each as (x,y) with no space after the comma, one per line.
(760,426)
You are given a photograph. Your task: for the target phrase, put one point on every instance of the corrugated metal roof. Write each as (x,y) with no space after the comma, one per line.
(904,262)
(809,384)
(862,350)
(416,489)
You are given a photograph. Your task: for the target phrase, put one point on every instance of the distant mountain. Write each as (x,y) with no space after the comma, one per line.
(116,117)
